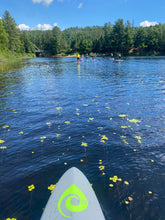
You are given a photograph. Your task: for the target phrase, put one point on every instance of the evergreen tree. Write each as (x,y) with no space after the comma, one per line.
(118,34)
(28,47)
(56,40)
(3,38)
(141,38)
(128,37)
(107,37)
(13,33)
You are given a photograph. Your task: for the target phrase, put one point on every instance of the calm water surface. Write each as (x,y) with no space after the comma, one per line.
(117,109)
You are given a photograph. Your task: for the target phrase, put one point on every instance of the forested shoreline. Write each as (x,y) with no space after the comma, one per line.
(119,37)
(14,43)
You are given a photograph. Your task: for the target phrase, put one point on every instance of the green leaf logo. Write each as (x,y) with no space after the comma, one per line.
(73,192)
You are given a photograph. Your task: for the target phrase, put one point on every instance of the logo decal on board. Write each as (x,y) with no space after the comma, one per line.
(73,192)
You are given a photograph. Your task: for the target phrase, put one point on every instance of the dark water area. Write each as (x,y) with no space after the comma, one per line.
(104,117)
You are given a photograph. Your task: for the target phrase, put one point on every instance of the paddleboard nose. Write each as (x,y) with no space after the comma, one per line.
(73,197)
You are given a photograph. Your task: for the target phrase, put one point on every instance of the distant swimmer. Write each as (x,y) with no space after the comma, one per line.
(111,58)
(119,56)
(86,56)
(82,57)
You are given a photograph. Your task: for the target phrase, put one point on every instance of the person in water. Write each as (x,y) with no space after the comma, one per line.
(119,56)
(86,56)
(78,58)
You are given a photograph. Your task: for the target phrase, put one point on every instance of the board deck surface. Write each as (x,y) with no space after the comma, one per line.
(73,198)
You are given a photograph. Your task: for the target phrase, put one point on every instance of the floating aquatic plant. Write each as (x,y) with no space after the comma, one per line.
(67,122)
(101,167)
(84,144)
(115,179)
(49,124)
(6,126)
(59,108)
(123,116)
(2,141)
(3,147)
(31,187)
(51,187)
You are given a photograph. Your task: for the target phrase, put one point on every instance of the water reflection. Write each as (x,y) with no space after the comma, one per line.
(78,69)
(7,66)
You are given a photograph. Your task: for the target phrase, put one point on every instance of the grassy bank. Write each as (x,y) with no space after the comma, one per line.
(9,57)
(9,61)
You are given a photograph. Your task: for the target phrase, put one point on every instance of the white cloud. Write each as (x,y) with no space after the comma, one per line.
(0,18)
(43,27)
(36,1)
(80,5)
(45,2)
(148,23)
(23,27)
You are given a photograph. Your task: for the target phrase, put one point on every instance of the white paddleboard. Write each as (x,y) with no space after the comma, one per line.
(73,198)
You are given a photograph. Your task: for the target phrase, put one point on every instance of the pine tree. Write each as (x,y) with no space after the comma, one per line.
(13,33)
(3,38)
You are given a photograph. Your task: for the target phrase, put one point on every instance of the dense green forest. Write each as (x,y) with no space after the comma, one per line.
(13,42)
(119,37)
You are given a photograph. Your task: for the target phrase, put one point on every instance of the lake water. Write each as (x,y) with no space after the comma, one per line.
(107,118)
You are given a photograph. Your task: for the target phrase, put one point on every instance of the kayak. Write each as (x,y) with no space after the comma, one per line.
(74,198)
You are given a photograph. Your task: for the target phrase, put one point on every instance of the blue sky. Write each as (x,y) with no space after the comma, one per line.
(44,14)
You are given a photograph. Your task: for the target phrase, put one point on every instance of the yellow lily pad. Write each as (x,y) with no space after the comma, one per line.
(133,120)
(59,108)
(51,187)
(44,137)
(126,183)
(84,144)
(6,126)
(67,122)
(123,116)
(49,123)
(3,147)
(2,141)
(31,187)
(101,167)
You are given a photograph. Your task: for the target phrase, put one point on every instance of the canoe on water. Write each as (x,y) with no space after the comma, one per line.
(73,198)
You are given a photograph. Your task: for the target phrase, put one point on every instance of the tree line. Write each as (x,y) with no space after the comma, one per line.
(119,37)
